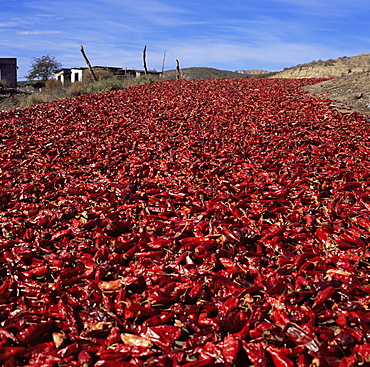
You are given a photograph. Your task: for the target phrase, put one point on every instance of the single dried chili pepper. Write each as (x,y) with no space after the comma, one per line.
(230,348)
(323,295)
(31,333)
(301,338)
(161,319)
(279,359)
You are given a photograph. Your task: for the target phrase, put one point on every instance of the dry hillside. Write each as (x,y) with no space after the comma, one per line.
(331,68)
(349,80)
(202,73)
(352,89)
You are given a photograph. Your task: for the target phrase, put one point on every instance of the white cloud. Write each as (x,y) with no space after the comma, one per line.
(270,55)
(147,6)
(28,33)
(8,24)
(332,8)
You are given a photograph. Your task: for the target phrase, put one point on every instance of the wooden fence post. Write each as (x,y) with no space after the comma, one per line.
(88,64)
(164,58)
(144,61)
(177,69)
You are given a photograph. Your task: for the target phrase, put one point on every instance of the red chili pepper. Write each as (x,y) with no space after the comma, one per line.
(195,290)
(150,254)
(230,348)
(68,350)
(31,333)
(230,235)
(113,363)
(200,363)
(204,320)
(256,314)
(162,319)
(301,338)
(163,336)
(85,359)
(279,359)
(119,302)
(37,272)
(304,360)
(5,289)
(129,253)
(6,353)
(323,295)
(302,257)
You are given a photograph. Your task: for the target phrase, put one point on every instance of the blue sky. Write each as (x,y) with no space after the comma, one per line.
(228,35)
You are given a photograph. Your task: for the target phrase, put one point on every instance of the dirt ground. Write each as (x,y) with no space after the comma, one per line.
(352,90)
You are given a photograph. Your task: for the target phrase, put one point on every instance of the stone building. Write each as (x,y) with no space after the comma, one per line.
(8,72)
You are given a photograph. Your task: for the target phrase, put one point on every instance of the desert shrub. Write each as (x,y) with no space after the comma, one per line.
(146,79)
(52,84)
(329,62)
(3,83)
(100,74)
(76,89)
(104,85)
(128,81)
(33,99)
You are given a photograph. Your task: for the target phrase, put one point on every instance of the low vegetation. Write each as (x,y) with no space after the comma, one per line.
(329,62)
(54,91)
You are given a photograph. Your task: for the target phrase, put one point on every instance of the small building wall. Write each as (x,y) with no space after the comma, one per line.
(76,75)
(64,76)
(8,71)
(68,76)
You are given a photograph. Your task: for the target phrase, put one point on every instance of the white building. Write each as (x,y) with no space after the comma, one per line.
(69,75)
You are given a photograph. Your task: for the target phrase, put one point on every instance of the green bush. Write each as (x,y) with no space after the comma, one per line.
(104,85)
(146,79)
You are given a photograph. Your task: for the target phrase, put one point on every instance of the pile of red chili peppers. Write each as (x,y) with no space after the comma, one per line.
(185,223)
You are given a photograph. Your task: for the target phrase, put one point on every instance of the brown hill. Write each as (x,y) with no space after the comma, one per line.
(211,73)
(256,73)
(203,73)
(331,68)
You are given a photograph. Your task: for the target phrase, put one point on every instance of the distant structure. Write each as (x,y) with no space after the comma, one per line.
(8,72)
(71,75)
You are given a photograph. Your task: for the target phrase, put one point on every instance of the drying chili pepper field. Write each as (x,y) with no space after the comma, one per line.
(185,223)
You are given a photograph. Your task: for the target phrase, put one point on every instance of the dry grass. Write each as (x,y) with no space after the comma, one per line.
(55,91)
(100,74)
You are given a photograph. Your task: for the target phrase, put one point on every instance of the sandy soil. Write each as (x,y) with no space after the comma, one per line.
(352,90)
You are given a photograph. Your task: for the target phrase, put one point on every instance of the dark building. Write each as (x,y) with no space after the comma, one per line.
(8,72)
